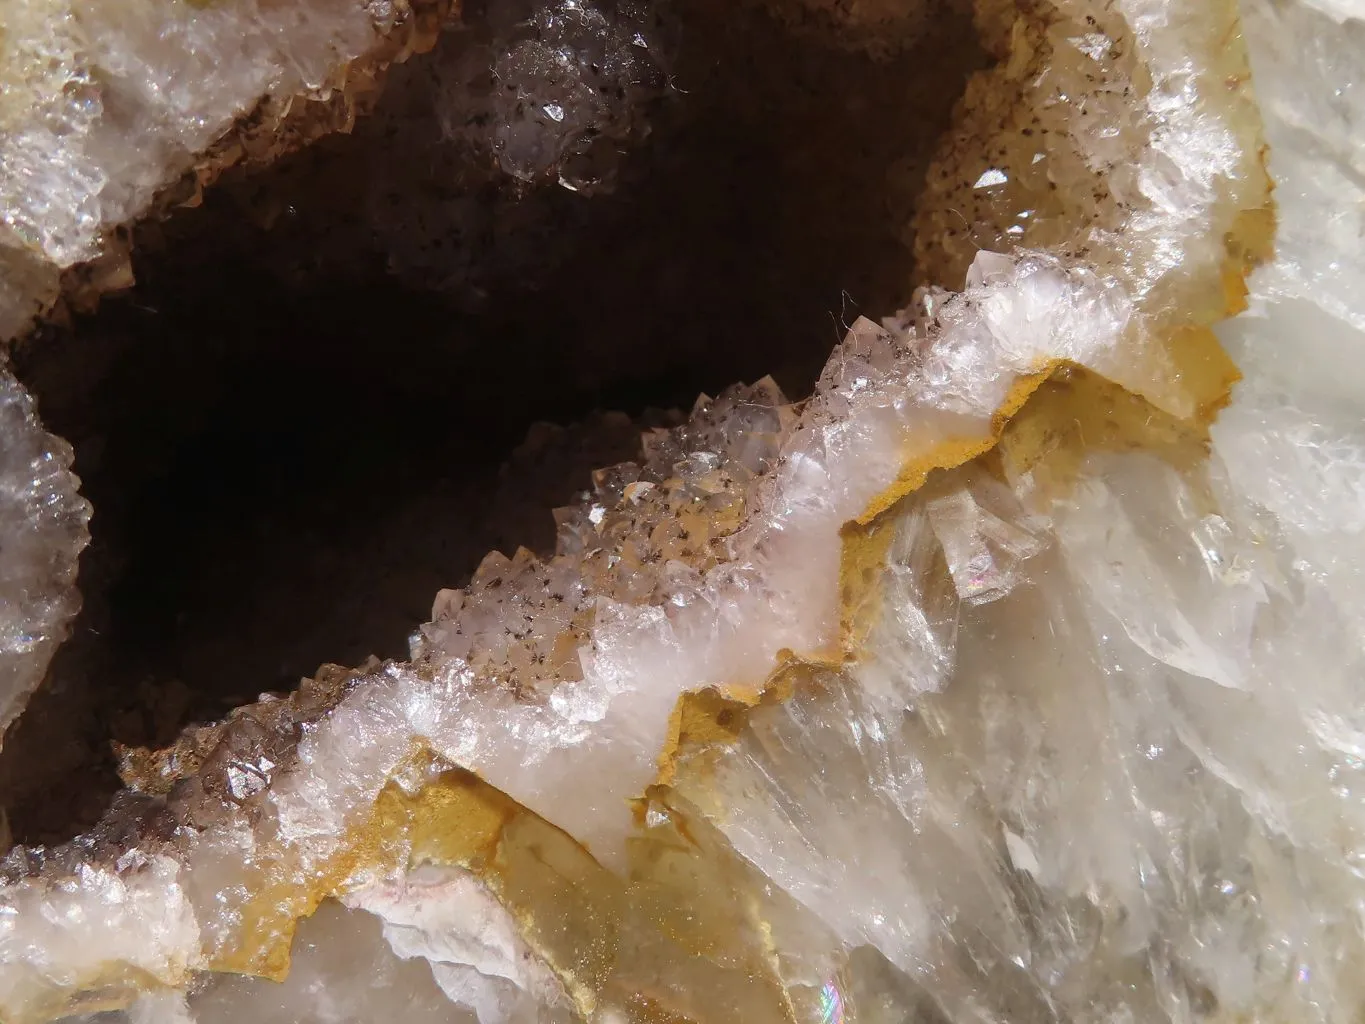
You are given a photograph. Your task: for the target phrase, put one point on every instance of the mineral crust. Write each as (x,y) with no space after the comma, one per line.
(1014,675)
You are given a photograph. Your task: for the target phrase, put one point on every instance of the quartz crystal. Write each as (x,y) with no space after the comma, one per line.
(1013,675)
(108,107)
(43,523)
(112,110)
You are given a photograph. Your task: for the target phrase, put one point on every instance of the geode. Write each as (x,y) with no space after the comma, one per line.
(1012,675)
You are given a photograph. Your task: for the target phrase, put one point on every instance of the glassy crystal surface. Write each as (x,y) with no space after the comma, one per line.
(43,523)
(1012,675)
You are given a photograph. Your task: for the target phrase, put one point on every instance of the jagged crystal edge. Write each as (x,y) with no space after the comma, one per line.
(114,111)
(44,521)
(108,104)
(578,752)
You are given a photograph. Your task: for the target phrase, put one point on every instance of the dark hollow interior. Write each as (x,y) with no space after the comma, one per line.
(290,447)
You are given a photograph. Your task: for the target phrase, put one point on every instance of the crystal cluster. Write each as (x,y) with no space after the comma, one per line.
(645,536)
(553,90)
(116,111)
(517,98)
(1014,675)
(108,105)
(43,523)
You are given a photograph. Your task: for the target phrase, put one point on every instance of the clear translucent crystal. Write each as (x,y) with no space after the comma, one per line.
(43,523)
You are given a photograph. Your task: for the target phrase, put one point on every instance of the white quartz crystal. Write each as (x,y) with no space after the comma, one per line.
(1293,440)
(43,522)
(106,102)
(59,939)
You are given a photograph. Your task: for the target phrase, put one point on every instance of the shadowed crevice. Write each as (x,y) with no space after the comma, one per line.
(291,448)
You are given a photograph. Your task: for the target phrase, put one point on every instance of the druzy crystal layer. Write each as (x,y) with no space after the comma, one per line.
(1012,675)
(44,530)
